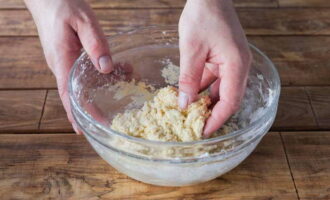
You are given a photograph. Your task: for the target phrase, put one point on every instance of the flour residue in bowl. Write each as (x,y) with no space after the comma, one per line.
(137,91)
(170,72)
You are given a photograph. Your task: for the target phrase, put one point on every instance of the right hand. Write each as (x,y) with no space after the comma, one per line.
(213,52)
(65,27)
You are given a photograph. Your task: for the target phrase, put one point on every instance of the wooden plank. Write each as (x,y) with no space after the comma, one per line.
(308,154)
(304,3)
(5,4)
(256,3)
(285,21)
(295,111)
(255,21)
(111,3)
(300,60)
(320,100)
(54,117)
(22,64)
(137,3)
(66,167)
(20,110)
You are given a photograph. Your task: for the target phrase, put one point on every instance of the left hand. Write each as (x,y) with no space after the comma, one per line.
(64,27)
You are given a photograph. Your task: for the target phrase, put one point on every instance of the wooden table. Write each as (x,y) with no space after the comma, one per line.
(41,158)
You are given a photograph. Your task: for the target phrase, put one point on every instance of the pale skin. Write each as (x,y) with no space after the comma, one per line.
(213,50)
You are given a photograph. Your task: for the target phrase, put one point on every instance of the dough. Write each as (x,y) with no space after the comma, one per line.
(161,119)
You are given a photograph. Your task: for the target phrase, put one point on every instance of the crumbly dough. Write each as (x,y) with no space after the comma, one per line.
(161,119)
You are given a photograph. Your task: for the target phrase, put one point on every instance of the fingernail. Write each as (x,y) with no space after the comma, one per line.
(183,100)
(105,63)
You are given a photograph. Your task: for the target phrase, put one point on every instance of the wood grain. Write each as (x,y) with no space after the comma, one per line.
(145,3)
(308,154)
(295,111)
(255,21)
(66,167)
(300,60)
(304,3)
(285,21)
(22,64)
(256,3)
(54,117)
(20,110)
(320,100)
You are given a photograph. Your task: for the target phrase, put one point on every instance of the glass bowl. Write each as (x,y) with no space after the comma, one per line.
(141,54)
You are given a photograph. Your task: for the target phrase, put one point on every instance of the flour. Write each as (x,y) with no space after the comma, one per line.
(170,73)
(138,92)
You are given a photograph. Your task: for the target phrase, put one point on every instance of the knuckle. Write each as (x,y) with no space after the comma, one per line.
(216,117)
(84,18)
(240,58)
(188,79)
(234,106)
(94,46)
(192,46)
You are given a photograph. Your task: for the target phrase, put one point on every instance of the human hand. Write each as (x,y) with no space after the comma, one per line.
(65,27)
(213,50)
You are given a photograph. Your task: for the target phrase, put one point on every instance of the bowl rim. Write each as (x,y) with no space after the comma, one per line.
(109,131)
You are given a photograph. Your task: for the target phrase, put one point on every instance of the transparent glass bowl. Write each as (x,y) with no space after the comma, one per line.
(141,54)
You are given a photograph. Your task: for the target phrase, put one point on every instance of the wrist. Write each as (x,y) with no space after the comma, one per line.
(216,7)
(32,4)
(36,8)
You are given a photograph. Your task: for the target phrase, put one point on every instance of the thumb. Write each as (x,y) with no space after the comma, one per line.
(192,62)
(95,44)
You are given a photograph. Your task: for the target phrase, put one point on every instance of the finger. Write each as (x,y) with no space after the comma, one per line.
(61,59)
(210,74)
(192,60)
(64,95)
(231,91)
(95,43)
